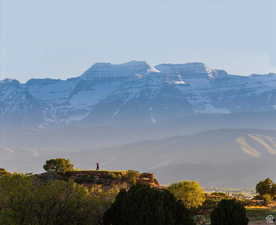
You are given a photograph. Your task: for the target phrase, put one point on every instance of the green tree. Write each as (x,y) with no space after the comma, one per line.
(26,201)
(142,204)
(15,201)
(59,165)
(229,212)
(264,187)
(190,192)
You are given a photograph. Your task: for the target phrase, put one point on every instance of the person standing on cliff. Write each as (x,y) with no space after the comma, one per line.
(97,166)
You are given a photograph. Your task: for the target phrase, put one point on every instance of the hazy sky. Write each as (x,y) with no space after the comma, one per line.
(62,38)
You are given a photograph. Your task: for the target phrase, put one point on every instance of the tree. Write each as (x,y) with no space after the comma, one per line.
(59,165)
(142,204)
(264,187)
(26,201)
(190,192)
(229,212)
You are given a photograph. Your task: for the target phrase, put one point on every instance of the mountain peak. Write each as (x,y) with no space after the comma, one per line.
(108,70)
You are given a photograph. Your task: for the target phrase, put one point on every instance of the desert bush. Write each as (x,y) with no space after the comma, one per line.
(229,212)
(131,177)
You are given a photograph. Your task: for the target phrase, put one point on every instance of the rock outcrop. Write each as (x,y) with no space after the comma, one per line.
(98,181)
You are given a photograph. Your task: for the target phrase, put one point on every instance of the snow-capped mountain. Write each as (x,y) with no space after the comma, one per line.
(108,93)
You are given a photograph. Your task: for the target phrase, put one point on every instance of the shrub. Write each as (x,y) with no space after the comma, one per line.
(142,204)
(190,192)
(132,176)
(229,212)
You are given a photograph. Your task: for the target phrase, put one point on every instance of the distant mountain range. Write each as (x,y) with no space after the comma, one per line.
(181,121)
(108,93)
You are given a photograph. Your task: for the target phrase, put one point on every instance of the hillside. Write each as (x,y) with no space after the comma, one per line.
(228,157)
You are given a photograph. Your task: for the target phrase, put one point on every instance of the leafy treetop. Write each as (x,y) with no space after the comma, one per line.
(142,204)
(264,187)
(58,165)
(190,192)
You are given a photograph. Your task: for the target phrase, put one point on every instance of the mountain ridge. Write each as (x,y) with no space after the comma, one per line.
(108,92)
(199,66)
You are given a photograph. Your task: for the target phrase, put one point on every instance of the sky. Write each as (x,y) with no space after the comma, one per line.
(63,38)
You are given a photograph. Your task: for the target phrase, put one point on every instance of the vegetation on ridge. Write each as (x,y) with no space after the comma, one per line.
(65,195)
